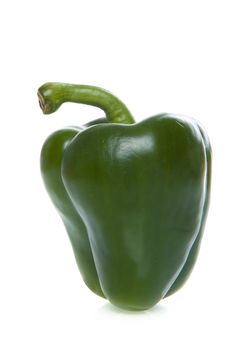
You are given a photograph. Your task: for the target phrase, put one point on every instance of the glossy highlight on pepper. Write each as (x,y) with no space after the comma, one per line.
(133,196)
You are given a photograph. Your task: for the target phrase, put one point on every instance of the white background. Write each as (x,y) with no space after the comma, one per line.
(157,56)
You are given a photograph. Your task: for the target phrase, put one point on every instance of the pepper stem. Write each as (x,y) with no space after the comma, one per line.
(52,95)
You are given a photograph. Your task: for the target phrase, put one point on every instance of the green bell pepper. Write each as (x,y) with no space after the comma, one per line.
(133,196)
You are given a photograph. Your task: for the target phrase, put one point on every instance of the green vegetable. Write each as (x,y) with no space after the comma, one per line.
(133,196)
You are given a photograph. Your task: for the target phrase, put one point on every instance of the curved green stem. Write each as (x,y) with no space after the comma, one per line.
(52,95)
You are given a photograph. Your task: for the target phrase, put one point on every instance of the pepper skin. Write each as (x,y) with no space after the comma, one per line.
(133,196)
